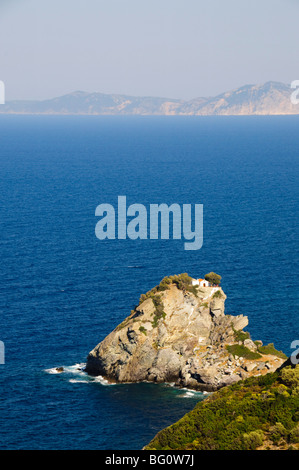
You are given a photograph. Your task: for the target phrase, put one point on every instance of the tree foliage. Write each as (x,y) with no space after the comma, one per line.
(246,415)
(213,278)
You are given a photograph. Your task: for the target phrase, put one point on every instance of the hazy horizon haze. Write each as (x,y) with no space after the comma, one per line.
(166,49)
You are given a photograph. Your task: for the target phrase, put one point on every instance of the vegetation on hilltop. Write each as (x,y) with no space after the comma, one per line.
(259,413)
(182,281)
(213,278)
(270,349)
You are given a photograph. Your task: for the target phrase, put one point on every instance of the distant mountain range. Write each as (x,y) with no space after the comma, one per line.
(271,98)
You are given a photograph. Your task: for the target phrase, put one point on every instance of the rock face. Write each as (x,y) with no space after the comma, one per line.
(180,336)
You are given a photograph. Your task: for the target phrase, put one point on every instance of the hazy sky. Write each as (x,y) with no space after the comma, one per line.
(169,48)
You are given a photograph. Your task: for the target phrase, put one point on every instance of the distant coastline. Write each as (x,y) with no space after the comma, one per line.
(271,98)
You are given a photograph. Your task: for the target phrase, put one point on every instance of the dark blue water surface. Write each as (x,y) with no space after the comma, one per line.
(63,290)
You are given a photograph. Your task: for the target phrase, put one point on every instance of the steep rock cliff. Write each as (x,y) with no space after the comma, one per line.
(179,333)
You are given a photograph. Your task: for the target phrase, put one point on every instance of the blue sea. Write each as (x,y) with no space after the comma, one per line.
(63,290)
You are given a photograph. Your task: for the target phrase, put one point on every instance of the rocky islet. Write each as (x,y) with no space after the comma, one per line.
(180,333)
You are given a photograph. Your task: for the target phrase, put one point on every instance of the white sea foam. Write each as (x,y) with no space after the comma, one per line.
(187,395)
(75,369)
(102,381)
(79,374)
(191,390)
(52,371)
(190,393)
(76,381)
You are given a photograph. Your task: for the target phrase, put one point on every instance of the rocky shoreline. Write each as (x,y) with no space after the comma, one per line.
(180,333)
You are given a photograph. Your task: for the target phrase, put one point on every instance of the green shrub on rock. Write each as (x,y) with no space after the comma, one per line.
(213,278)
(270,349)
(244,416)
(253,439)
(242,351)
(294,435)
(277,432)
(290,376)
